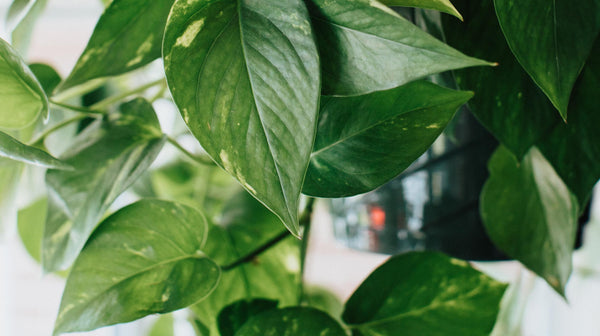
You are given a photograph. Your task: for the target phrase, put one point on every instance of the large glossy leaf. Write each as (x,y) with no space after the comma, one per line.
(20,21)
(574,148)
(440,5)
(108,156)
(424,294)
(146,258)
(127,36)
(366,47)
(296,321)
(244,226)
(233,317)
(14,149)
(507,102)
(558,39)
(364,141)
(530,214)
(245,77)
(22,97)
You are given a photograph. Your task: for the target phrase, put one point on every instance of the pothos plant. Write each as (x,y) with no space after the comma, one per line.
(296,100)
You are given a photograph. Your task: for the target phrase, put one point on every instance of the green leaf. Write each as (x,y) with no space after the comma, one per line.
(296,321)
(22,97)
(366,47)
(439,5)
(146,258)
(14,149)
(127,36)
(21,19)
(530,214)
(245,77)
(244,226)
(10,173)
(507,102)
(323,299)
(31,221)
(364,141)
(424,293)
(233,317)
(46,75)
(164,326)
(558,39)
(574,148)
(108,156)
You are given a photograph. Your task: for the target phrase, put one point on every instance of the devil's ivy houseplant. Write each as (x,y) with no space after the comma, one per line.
(296,100)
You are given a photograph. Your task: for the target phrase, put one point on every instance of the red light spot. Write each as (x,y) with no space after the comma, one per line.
(377,216)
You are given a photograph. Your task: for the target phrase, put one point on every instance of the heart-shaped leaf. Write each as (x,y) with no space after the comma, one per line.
(366,47)
(530,214)
(424,293)
(127,36)
(108,156)
(14,149)
(245,76)
(297,321)
(364,141)
(551,40)
(439,5)
(22,97)
(233,317)
(150,259)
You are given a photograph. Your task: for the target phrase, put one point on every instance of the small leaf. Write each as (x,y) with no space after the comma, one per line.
(366,47)
(424,293)
(14,149)
(507,102)
(127,36)
(530,214)
(108,156)
(164,326)
(297,321)
(559,38)
(245,77)
(31,227)
(364,141)
(439,5)
(10,173)
(22,97)
(21,19)
(233,317)
(47,76)
(146,258)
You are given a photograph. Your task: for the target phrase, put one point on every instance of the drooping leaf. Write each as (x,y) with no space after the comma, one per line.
(164,326)
(366,47)
(146,258)
(244,226)
(558,39)
(20,21)
(107,156)
(47,76)
(22,97)
(507,102)
(245,77)
(530,214)
(364,141)
(31,221)
(574,148)
(233,317)
(424,293)
(439,5)
(297,321)
(14,149)
(127,36)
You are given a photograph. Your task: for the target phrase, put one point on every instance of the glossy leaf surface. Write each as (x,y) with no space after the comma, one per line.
(22,97)
(107,156)
(127,36)
(246,80)
(233,317)
(530,214)
(574,148)
(559,37)
(364,141)
(297,321)
(244,226)
(439,5)
(146,258)
(14,149)
(507,102)
(366,47)
(424,293)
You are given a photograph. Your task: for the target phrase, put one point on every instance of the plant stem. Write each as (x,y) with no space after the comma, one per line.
(81,109)
(58,126)
(249,257)
(202,159)
(305,222)
(117,98)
